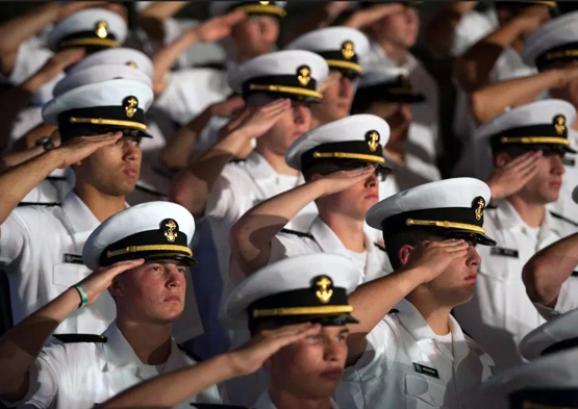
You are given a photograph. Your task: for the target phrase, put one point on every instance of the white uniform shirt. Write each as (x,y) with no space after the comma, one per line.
(41,251)
(423,142)
(82,375)
(264,402)
(404,367)
(501,314)
(190,91)
(241,186)
(319,238)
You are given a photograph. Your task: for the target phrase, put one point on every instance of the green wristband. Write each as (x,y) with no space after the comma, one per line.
(83,295)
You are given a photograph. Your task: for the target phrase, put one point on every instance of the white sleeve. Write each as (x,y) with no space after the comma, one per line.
(14,238)
(567,300)
(44,376)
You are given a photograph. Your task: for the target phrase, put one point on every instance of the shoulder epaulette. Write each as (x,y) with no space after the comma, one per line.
(76,338)
(298,233)
(563,218)
(190,354)
(150,191)
(46,204)
(491,206)
(393,311)
(574,273)
(379,246)
(216,406)
(237,160)
(59,178)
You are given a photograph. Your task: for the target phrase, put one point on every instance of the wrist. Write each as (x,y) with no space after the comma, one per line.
(232,363)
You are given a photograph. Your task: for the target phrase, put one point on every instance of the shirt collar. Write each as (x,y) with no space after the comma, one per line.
(78,214)
(510,218)
(259,168)
(415,323)
(119,354)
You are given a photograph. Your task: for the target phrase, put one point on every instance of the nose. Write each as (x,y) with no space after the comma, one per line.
(174,277)
(345,87)
(406,113)
(301,117)
(371,180)
(557,165)
(131,148)
(474,258)
(331,350)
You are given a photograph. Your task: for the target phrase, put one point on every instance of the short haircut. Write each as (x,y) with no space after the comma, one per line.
(394,242)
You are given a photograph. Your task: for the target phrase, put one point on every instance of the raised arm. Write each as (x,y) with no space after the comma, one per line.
(20,345)
(252,235)
(191,187)
(425,263)
(474,66)
(548,269)
(175,155)
(493,99)
(18,181)
(209,31)
(168,390)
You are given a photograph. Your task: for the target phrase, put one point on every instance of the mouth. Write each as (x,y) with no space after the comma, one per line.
(173,298)
(471,278)
(332,374)
(131,172)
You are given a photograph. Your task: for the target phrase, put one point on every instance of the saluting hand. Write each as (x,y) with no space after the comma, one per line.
(257,121)
(79,148)
(342,179)
(510,178)
(97,282)
(251,356)
(434,257)
(217,28)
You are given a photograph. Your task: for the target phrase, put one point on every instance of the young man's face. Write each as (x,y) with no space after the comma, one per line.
(153,292)
(457,284)
(291,125)
(256,35)
(545,186)
(355,201)
(338,96)
(113,170)
(311,368)
(400,28)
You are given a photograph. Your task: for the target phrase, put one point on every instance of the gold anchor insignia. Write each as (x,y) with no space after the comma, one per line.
(130,106)
(170,229)
(479,211)
(324,291)
(560,124)
(372,138)
(132,64)
(101,29)
(304,75)
(347,50)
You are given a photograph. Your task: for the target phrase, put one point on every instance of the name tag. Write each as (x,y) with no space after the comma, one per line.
(426,370)
(73,259)
(569,161)
(501,251)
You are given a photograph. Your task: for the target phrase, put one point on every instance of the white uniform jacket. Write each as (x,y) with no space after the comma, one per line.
(41,251)
(319,238)
(405,367)
(82,375)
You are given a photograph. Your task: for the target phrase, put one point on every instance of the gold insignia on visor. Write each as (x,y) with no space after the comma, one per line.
(479,204)
(560,124)
(101,29)
(170,229)
(304,75)
(131,64)
(372,138)
(347,50)
(130,105)
(324,289)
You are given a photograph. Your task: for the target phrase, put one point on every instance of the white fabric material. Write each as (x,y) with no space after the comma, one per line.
(387,374)
(82,375)
(331,38)
(371,264)
(501,314)
(241,186)
(473,26)
(34,242)
(264,402)
(190,91)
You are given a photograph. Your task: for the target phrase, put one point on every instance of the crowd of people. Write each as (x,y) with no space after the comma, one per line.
(234,211)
